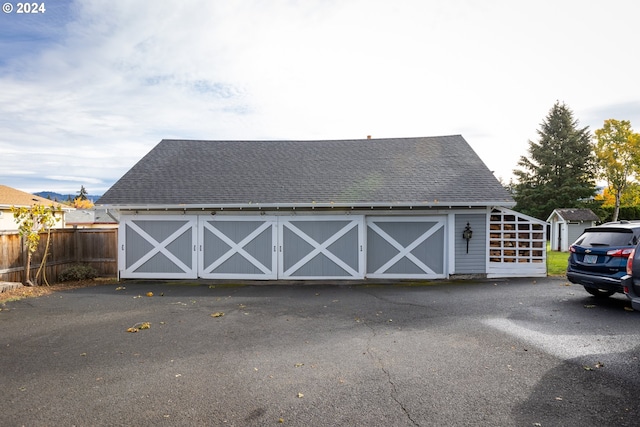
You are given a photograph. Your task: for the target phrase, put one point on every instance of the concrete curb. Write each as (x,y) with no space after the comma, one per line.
(7,286)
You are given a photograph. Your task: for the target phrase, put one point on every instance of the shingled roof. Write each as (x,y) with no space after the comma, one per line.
(429,171)
(12,197)
(576,215)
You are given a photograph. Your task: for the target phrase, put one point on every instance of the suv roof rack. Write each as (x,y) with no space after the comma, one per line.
(622,222)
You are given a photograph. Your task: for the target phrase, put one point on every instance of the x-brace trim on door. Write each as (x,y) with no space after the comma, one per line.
(238,248)
(160,247)
(404,251)
(320,248)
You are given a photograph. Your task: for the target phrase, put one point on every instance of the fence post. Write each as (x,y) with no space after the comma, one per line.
(76,242)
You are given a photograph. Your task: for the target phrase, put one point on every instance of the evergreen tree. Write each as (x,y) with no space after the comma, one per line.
(560,169)
(83,193)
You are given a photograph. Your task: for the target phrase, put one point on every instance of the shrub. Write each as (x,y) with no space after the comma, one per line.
(77,272)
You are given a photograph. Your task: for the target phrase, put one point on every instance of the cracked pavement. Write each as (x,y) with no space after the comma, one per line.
(506,352)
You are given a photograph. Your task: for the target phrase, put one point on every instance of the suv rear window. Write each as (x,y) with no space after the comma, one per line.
(611,237)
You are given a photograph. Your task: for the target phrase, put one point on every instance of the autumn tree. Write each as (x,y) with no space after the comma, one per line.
(31,222)
(560,169)
(617,151)
(630,197)
(82,201)
(82,204)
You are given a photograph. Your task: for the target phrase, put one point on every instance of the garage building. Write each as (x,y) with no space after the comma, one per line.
(397,208)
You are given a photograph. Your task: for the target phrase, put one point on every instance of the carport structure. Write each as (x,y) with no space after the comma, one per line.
(404,208)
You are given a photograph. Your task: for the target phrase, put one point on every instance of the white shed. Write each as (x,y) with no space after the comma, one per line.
(567,225)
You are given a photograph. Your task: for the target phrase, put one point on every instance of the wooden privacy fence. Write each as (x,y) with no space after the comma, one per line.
(93,247)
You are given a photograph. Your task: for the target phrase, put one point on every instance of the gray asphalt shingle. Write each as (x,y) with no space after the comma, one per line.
(405,171)
(577,214)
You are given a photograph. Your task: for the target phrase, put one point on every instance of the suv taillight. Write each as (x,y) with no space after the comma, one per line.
(630,262)
(572,249)
(620,252)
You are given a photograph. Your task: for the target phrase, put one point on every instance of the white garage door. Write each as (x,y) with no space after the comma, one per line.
(321,247)
(235,247)
(409,247)
(162,247)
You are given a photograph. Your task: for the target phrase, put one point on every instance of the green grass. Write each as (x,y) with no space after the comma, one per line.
(556,262)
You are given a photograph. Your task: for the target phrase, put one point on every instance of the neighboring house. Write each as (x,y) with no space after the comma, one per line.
(392,208)
(11,197)
(90,218)
(567,225)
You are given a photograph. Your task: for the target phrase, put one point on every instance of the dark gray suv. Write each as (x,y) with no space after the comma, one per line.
(631,282)
(598,259)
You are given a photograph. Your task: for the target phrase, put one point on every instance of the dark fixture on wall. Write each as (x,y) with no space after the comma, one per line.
(467,234)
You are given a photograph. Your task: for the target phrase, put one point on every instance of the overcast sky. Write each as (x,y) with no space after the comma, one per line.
(89,87)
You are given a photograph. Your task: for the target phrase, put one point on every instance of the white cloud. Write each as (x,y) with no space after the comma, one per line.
(122,75)
(86,179)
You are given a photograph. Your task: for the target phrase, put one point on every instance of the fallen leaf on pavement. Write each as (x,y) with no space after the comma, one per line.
(217,314)
(139,326)
(300,395)
(149,294)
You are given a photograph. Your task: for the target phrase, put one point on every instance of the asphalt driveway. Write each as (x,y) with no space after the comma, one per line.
(520,352)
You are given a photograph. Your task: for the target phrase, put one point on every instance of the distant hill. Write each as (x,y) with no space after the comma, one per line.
(62,198)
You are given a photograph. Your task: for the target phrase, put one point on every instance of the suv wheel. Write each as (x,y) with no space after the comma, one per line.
(599,293)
